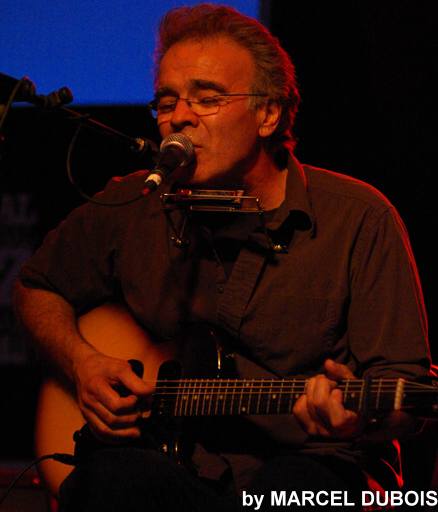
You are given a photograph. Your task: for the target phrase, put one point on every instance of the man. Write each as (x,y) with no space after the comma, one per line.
(322,285)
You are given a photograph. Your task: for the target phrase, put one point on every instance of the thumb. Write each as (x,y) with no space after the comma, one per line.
(337,371)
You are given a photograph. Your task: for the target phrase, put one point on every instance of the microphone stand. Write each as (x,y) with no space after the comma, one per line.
(135,144)
(24,91)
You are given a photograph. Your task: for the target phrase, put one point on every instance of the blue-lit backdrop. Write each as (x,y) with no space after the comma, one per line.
(102,50)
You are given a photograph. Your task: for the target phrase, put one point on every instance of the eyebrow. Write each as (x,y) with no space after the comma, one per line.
(195,84)
(165,91)
(207,84)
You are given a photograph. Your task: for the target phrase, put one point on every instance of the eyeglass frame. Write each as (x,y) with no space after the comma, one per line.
(153,105)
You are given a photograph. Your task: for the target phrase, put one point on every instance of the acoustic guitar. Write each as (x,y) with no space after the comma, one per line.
(112,330)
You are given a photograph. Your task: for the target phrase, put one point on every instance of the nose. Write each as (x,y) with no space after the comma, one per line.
(183,115)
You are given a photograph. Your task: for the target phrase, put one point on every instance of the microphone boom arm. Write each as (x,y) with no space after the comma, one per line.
(24,91)
(135,144)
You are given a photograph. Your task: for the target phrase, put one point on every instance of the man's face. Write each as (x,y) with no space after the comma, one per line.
(227,143)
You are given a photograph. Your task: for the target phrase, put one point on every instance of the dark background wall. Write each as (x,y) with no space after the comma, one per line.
(369,108)
(367,70)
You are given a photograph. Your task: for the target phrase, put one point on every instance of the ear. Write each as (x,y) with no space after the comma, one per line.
(268,115)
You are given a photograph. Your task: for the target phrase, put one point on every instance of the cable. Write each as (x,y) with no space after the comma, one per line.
(65,458)
(78,188)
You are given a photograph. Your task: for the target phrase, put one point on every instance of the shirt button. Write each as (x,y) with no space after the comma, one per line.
(220,289)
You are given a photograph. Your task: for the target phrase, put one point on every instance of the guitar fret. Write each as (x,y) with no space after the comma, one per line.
(178,395)
(291,395)
(265,397)
(181,401)
(180,398)
(239,408)
(187,397)
(212,400)
(210,396)
(259,398)
(361,397)
(224,402)
(194,398)
(379,389)
(268,405)
(232,397)
(280,397)
(216,398)
(204,396)
(221,396)
(197,397)
(244,394)
(183,398)
(191,396)
(251,386)
(346,391)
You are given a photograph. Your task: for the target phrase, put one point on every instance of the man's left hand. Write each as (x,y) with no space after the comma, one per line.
(321,411)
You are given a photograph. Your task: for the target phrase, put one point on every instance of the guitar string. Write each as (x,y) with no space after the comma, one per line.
(264,400)
(277,382)
(190,392)
(270,381)
(280,391)
(281,384)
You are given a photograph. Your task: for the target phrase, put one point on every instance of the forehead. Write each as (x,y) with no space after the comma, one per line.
(218,61)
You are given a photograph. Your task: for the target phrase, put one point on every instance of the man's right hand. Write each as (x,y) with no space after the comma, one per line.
(51,322)
(111,417)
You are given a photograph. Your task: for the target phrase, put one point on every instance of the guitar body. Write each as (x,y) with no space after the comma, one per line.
(197,390)
(111,329)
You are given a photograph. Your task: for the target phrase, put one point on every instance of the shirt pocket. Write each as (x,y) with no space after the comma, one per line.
(290,334)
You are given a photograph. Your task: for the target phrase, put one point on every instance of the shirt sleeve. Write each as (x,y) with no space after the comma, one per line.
(387,320)
(76,260)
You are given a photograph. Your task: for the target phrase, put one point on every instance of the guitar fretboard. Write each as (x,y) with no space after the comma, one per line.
(224,397)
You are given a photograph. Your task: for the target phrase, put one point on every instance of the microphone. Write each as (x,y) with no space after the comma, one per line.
(7,83)
(27,92)
(176,150)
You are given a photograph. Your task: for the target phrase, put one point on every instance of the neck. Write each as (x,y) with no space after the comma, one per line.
(267,182)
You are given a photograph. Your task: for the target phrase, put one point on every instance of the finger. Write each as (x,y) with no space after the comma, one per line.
(135,384)
(318,396)
(106,433)
(102,392)
(337,412)
(343,422)
(337,371)
(114,421)
(301,412)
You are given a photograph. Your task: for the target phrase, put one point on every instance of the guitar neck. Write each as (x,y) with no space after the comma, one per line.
(225,397)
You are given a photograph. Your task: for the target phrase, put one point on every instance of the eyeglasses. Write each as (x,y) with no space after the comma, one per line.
(205,106)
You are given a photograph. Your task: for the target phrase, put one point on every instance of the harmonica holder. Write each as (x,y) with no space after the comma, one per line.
(206,200)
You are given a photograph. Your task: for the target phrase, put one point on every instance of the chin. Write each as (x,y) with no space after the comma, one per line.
(205,178)
(191,176)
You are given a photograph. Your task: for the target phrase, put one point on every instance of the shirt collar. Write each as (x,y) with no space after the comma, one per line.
(297,200)
(295,212)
